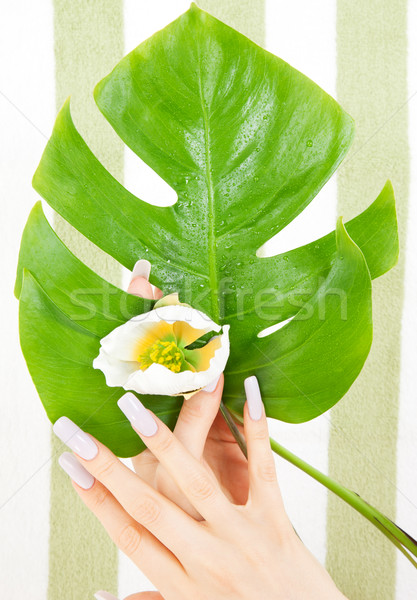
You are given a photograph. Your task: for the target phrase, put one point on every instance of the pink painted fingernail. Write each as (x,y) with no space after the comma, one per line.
(139,416)
(253,396)
(211,386)
(72,467)
(142,269)
(104,596)
(75,438)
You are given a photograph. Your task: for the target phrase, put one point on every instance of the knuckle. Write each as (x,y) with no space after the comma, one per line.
(201,487)
(165,443)
(191,412)
(147,511)
(129,539)
(267,471)
(105,470)
(97,500)
(261,433)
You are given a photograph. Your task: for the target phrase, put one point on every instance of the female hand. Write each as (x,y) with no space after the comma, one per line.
(236,552)
(200,428)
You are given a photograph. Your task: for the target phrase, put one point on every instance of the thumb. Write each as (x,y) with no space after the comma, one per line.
(196,418)
(139,284)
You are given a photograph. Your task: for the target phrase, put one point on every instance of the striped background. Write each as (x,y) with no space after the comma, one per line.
(364,53)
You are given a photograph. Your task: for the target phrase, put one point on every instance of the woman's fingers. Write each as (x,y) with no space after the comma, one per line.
(135,541)
(193,479)
(263,482)
(157,514)
(139,284)
(196,418)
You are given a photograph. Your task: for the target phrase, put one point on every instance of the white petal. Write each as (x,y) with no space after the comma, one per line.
(122,341)
(157,379)
(115,371)
(181,312)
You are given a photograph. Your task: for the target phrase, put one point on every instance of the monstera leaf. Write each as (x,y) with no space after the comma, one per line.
(246,142)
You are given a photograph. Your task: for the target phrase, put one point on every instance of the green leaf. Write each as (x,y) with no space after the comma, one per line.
(300,272)
(80,293)
(333,328)
(58,353)
(246,141)
(228,126)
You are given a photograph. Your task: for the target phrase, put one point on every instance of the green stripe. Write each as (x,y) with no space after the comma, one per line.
(372,87)
(247,16)
(88,43)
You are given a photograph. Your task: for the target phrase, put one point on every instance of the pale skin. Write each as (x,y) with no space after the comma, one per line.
(197,518)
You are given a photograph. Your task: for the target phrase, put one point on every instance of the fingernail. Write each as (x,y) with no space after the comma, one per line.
(142,269)
(253,396)
(72,467)
(104,596)
(138,415)
(211,386)
(75,438)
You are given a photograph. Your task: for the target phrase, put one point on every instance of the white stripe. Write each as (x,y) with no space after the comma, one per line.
(27,108)
(407,438)
(141,20)
(303,33)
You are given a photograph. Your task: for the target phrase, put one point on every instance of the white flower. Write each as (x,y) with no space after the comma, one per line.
(150,354)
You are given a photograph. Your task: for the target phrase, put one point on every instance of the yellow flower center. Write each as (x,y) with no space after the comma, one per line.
(163,353)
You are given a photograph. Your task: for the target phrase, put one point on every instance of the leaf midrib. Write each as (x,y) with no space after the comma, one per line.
(212,257)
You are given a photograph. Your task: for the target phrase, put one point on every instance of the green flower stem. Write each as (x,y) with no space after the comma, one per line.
(401,540)
(405,543)
(240,440)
